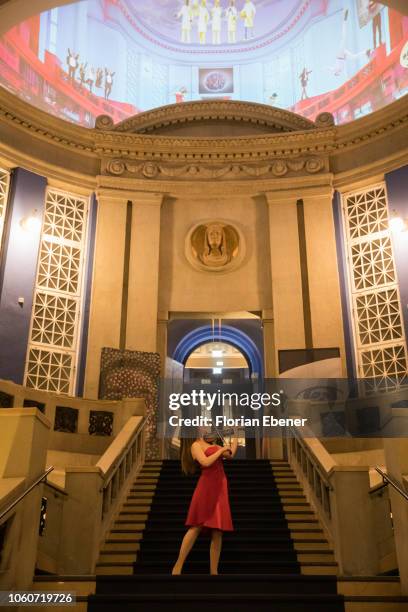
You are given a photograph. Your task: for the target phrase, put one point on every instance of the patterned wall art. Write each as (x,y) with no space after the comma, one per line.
(127,374)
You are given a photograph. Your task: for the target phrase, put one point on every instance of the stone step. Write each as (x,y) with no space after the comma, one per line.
(389,586)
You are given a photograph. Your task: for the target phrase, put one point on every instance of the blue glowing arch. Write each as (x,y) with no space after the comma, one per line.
(227,334)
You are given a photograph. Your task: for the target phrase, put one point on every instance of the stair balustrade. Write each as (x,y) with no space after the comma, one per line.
(77,416)
(92,497)
(354,520)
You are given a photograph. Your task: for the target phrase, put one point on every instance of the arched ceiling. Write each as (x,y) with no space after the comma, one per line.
(364,66)
(15,11)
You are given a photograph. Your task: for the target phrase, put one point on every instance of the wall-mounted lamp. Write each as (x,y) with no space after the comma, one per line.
(31,223)
(217,370)
(397,223)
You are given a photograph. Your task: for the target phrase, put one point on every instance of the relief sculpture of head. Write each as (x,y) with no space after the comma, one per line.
(214,246)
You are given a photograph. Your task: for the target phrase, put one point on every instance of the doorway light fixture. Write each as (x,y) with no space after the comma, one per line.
(217,370)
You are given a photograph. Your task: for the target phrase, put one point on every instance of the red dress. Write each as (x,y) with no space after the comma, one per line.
(209,505)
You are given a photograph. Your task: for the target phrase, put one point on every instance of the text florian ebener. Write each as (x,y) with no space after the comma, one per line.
(204,400)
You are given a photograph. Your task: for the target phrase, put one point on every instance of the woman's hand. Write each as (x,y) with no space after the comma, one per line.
(227,451)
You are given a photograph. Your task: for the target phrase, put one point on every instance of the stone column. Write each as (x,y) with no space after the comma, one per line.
(141,330)
(162,323)
(396,460)
(283,329)
(272,448)
(285,272)
(322,269)
(270,365)
(107,286)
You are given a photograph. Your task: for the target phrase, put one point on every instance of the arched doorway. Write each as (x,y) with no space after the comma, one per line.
(217,362)
(233,335)
(226,358)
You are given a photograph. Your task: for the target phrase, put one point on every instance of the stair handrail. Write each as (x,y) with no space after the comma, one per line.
(117,462)
(130,457)
(325,476)
(395,485)
(18,499)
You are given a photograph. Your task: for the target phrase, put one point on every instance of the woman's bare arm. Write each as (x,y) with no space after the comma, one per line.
(200,456)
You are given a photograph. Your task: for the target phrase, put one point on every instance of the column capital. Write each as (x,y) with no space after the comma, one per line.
(299,193)
(143,198)
(112,195)
(146,198)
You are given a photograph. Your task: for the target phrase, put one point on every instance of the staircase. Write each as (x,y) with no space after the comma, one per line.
(277,557)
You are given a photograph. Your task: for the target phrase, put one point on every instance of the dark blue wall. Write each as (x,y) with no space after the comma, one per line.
(93,212)
(18,271)
(397,189)
(344,287)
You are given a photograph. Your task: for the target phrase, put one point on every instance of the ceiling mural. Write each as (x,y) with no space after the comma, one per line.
(123,57)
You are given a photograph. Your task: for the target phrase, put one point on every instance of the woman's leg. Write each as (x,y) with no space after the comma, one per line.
(186,545)
(215,550)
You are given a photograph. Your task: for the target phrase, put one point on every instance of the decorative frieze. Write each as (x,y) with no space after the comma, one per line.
(198,171)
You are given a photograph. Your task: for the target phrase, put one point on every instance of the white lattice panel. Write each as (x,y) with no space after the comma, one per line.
(49,370)
(54,319)
(53,346)
(4,190)
(377,318)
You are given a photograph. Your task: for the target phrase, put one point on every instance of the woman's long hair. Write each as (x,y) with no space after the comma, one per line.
(188,464)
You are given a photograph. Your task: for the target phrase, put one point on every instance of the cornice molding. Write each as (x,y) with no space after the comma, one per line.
(199,188)
(209,110)
(150,157)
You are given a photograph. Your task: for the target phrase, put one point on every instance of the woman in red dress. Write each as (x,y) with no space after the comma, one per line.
(209,507)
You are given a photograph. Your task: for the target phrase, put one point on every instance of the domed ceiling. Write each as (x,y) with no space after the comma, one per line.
(121,57)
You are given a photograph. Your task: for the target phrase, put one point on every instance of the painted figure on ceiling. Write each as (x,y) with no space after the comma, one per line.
(186,16)
(216,17)
(202,23)
(231,14)
(248,15)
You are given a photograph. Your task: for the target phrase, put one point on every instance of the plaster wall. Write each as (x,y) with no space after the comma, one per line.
(184,289)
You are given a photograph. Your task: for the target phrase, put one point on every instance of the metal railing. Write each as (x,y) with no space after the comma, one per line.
(18,499)
(395,485)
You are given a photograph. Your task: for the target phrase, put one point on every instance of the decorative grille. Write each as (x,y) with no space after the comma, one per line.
(377,318)
(4,190)
(53,344)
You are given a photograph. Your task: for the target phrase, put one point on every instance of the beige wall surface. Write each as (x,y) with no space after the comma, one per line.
(184,289)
